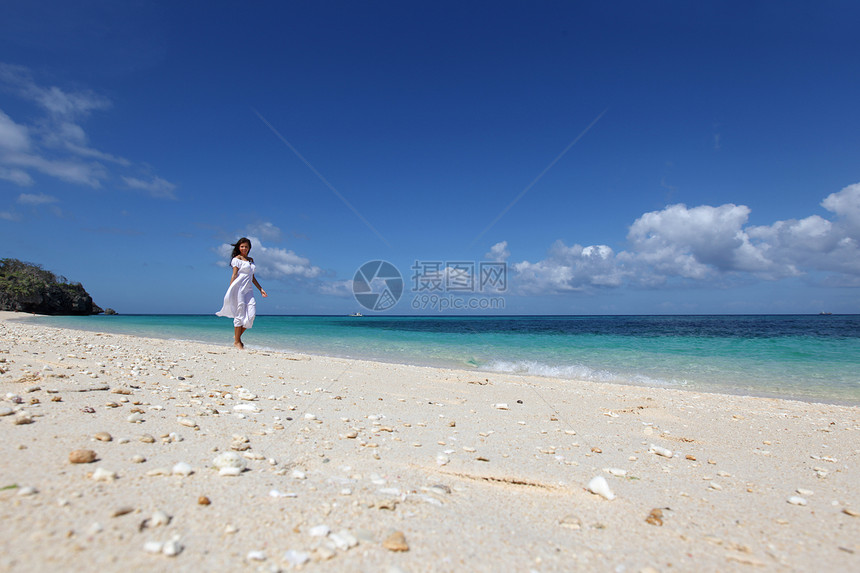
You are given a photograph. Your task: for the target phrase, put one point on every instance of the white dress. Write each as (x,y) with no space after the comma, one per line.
(239,303)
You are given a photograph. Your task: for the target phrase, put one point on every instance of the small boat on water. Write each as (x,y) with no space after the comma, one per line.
(822,313)
(355,314)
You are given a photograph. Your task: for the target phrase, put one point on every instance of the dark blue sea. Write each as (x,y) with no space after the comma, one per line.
(806,357)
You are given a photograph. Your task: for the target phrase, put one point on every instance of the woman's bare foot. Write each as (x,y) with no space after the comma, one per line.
(238,344)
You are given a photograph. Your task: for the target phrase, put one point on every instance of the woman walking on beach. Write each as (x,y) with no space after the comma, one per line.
(239,303)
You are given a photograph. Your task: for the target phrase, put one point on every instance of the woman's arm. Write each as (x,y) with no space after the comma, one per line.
(256,284)
(234,275)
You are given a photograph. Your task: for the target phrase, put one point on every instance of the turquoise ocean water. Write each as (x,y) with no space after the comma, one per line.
(807,357)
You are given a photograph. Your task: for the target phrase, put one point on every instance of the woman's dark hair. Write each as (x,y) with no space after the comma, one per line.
(236,246)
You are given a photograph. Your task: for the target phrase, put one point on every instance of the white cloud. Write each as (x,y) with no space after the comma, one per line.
(691,243)
(571,268)
(815,243)
(266,231)
(498,253)
(35,199)
(337,288)
(155,187)
(846,205)
(65,104)
(16,176)
(707,243)
(56,144)
(275,263)
(68,170)
(13,137)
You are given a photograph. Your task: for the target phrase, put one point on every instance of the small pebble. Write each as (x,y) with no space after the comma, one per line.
(343,540)
(102,474)
(256,556)
(571,522)
(172,548)
(182,469)
(396,542)
(246,408)
(158,518)
(796,500)
(153,546)
(323,553)
(203,500)
(296,558)
(655,517)
(82,456)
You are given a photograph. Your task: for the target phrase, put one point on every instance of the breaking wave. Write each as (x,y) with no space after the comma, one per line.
(576,372)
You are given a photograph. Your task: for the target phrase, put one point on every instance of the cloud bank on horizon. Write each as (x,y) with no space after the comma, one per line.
(706,243)
(678,244)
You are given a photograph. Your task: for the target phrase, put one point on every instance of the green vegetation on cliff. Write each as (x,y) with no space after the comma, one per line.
(26,287)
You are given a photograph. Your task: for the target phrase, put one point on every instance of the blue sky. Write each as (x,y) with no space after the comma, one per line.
(619,158)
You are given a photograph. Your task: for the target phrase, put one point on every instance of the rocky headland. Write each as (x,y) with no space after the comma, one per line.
(26,287)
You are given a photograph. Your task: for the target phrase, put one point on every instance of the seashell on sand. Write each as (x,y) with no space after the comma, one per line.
(660,451)
(599,486)
(229,463)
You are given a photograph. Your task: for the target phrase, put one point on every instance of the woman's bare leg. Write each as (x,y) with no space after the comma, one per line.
(237,337)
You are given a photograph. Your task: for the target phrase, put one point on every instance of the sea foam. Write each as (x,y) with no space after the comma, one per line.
(575,372)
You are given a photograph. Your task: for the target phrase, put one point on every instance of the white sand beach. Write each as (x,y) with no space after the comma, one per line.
(352,465)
